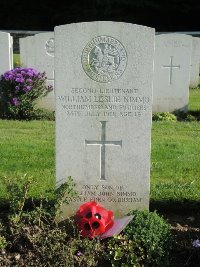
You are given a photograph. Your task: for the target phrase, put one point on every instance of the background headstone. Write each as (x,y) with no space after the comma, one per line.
(194,74)
(11,51)
(171,72)
(103,86)
(44,61)
(6,54)
(30,52)
(23,51)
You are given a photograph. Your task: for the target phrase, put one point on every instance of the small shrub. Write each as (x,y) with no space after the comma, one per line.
(146,241)
(164,116)
(19,90)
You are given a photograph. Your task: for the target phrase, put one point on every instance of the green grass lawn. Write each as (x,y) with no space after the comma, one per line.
(175,161)
(16,60)
(28,147)
(194,99)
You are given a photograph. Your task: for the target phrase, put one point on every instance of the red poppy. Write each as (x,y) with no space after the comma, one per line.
(93,220)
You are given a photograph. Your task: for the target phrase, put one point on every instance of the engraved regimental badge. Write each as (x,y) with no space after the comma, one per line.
(104,59)
(49,46)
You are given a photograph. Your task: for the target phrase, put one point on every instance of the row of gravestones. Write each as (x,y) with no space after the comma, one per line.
(106,75)
(176,67)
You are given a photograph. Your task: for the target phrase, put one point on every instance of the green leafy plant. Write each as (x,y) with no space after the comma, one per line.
(3,243)
(17,192)
(19,90)
(146,241)
(164,116)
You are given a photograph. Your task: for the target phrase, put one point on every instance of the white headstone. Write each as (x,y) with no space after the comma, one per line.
(11,51)
(23,51)
(5,52)
(103,85)
(44,61)
(171,72)
(30,52)
(194,75)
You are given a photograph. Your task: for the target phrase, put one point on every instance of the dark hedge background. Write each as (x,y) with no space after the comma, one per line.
(171,15)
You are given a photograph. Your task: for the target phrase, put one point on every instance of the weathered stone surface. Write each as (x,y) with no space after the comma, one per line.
(103,85)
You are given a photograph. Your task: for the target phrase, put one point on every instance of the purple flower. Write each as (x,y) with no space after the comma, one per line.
(17,88)
(15,101)
(196,243)
(20,80)
(30,74)
(79,254)
(29,80)
(27,88)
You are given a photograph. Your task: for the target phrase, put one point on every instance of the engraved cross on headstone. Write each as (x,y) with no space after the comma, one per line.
(103,143)
(171,66)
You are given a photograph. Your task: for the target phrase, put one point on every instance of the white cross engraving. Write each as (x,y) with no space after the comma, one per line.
(171,66)
(103,143)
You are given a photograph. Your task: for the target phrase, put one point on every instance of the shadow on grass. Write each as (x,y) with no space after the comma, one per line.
(161,206)
(175,206)
(191,115)
(30,205)
(184,219)
(195,114)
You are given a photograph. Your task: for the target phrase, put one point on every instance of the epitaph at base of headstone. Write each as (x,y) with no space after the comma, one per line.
(103,85)
(171,72)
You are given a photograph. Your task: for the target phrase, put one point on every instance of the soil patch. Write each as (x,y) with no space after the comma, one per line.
(185,229)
